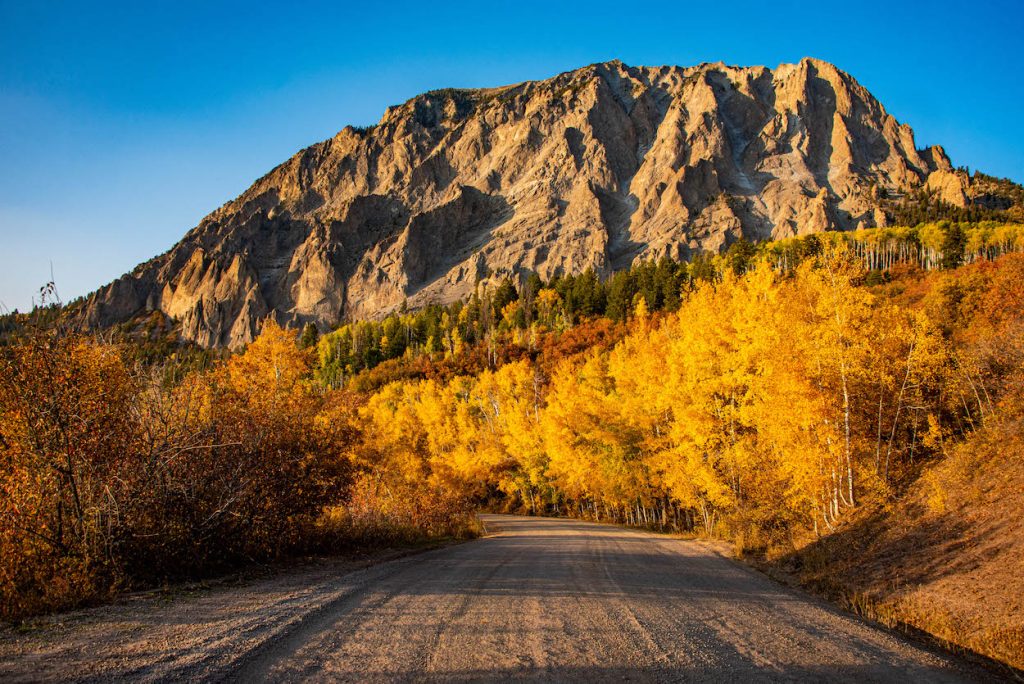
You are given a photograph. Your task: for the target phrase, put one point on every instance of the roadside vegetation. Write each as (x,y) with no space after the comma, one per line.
(843,407)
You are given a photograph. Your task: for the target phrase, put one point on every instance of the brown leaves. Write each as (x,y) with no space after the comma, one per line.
(111,476)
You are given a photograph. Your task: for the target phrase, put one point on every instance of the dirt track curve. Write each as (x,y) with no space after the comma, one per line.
(537,599)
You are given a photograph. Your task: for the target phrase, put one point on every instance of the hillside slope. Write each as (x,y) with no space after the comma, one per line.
(948,558)
(947,555)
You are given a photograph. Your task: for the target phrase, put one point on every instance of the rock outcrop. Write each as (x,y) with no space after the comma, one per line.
(594,168)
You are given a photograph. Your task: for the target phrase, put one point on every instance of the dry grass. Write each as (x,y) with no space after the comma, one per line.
(947,559)
(343,527)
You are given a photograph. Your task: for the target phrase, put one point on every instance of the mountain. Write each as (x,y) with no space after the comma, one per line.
(594,168)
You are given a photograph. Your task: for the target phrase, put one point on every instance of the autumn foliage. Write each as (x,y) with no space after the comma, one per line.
(111,478)
(765,395)
(769,401)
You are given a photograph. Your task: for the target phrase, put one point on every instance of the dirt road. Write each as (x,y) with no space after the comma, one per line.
(538,599)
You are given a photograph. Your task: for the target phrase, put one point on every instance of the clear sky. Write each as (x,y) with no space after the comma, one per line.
(123,124)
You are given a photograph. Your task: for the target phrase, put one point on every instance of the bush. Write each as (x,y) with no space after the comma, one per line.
(110,478)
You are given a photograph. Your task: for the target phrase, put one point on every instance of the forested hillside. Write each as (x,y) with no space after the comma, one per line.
(781,395)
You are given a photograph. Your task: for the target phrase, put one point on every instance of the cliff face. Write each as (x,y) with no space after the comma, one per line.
(593,168)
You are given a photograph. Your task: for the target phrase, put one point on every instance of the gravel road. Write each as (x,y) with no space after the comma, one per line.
(536,599)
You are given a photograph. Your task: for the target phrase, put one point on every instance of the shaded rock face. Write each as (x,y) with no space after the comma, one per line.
(595,168)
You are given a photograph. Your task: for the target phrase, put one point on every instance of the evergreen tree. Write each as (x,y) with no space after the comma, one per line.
(953,245)
(505,293)
(309,337)
(621,289)
(740,255)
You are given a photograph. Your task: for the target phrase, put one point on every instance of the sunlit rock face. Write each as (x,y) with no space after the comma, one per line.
(594,168)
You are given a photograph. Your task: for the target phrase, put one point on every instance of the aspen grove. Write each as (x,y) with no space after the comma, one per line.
(764,394)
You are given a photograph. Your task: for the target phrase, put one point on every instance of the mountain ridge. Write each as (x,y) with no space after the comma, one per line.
(593,168)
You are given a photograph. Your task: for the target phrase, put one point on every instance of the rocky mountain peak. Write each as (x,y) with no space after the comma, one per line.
(593,168)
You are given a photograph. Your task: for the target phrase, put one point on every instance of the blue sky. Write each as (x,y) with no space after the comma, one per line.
(121,126)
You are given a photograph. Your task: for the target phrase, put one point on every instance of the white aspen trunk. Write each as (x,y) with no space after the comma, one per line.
(878,440)
(899,407)
(846,435)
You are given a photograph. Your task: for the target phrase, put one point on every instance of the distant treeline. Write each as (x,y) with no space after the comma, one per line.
(560,303)
(992,199)
(525,305)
